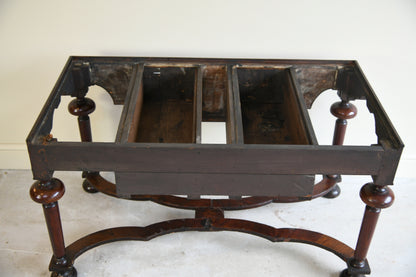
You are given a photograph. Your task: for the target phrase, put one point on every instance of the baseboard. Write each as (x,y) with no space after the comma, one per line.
(14,156)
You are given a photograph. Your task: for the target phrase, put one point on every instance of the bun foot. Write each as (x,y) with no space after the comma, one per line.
(86,185)
(345,273)
(71,272)
(334,193)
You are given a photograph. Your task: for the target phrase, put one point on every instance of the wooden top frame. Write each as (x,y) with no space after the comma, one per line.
(121,77)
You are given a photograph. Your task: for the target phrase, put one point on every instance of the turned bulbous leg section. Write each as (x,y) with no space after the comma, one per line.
(376,198)
(88,187)
(48,193)
(82,107)
(334,193)
(342,110)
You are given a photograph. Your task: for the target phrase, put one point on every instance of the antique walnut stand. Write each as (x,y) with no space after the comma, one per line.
(271,154)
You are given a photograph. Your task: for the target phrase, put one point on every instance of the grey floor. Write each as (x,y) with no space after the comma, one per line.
(25,249)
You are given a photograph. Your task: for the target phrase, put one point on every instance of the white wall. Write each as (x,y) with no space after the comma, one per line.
(36,38)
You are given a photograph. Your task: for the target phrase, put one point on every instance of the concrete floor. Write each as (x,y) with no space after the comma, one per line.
(25,248)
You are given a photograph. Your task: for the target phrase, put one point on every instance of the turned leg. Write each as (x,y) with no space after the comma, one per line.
(82,107)
(342,111)
(48,193)
(376,198)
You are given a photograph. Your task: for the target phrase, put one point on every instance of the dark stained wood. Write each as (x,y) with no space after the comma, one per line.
(214,184)
(376,197)
(295,122)
(204,158)
(204,224)
(134,126)
(270,108)
(370,219)
(214,93)
(48,193)
(82,107)
(261,106)
(130,115)
(233,203)
(339,132)
(197,112)
(210,213)
(85,128)
(167,114)
(113,78)
(234,122)
(53,222)
(342,110)
(314,80)
(271,153)
(295,88)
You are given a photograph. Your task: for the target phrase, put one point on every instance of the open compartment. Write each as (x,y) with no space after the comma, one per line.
(272,110)
(219,103)
(166,106)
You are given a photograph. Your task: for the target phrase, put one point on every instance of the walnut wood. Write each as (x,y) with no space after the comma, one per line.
(213,184)
(109,188)
(85,128)
(214,93)
(202,158)
(376,198)
(48,193)
(133,100)
(82,107)
(368,226)
(269,107)
(134,126)
(53,222)
(334,192)
(234,122)
(339,132)
(197,129)
(211,213)
(167,109)
(253,97)
(342,110)
(205,224)
(345,273)
(88,187)
(209,217)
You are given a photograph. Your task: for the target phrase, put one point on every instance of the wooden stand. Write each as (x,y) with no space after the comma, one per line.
(271,155)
